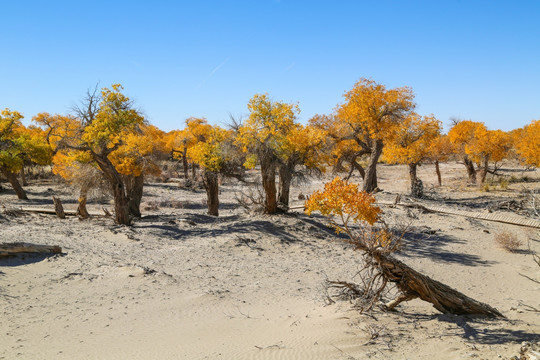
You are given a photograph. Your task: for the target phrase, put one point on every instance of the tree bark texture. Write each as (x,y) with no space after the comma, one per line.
(211,184)
(185,163)
(471,171)
(285,179)
(59,208)
(484,169)
(11,249)
(417,188)
(23,177)
(134,192)
(268,173)
(12,178)
(81,208)
(438,171)
(414,284)
(121,201)
(370,179)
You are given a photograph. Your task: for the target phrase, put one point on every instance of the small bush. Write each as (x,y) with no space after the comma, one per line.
(503,184)
(486,188)
(508,241)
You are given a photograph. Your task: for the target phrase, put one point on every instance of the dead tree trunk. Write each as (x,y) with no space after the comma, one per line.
(81,208)
(417,188)
(438,171)
(370,179)
(416,285)
(185,163)
(59,208)
(211,185)
(12,178)
(11,249)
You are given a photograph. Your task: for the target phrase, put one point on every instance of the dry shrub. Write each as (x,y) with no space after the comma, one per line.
(156,205)
(508,241)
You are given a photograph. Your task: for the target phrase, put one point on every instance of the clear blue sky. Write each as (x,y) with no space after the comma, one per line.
(477,60)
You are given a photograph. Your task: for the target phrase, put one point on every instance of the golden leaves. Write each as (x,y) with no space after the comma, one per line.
(528,143)
(342,199)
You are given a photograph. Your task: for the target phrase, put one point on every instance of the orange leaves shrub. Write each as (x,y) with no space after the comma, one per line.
(346,201)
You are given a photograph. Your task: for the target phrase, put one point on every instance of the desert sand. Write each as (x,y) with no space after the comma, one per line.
(180,284)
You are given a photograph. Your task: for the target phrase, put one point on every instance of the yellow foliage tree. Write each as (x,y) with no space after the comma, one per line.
(439,151)
(410,145)
(104,134)
(476,144)
(372,113)
(265,138)
(19,144)
(213,154)
(528,143)
(180,141)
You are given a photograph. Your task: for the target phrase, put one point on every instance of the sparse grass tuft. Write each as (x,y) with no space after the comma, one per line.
(508,241)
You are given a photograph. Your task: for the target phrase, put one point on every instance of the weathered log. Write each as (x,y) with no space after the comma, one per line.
(416,285)
(59,208)
(11,249)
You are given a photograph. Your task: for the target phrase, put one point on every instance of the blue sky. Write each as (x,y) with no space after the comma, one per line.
(476,60)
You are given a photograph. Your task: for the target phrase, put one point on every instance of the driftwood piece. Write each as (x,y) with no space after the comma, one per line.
(414,284)
(59,208)
(11,249)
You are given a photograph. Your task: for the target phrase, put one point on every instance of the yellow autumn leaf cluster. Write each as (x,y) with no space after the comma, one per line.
(528,143)
(344,200)
(373,110)
(210,152)
(412,139)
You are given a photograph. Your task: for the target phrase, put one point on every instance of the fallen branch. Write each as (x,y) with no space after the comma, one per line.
(11,249)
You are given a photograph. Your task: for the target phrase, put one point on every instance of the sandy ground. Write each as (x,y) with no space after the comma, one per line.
(180,284)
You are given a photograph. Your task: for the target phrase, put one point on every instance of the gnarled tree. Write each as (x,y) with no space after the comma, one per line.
(264,136)
(371,113)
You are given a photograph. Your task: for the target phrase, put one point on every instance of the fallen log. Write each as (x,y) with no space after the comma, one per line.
(413,284)
(11,249)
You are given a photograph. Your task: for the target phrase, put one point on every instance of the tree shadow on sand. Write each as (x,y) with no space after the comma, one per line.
(420,243)
(199,225)
(24,259)
(476,329)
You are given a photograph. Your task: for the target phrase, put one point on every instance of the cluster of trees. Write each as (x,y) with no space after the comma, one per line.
(106,139)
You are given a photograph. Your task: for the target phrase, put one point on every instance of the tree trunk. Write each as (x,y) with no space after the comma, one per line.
(438,171)
(12,178)
(484,169)
(268,173)
(121,203)
(81,208)
(59,208)
(417,188)
(360,169)
(471,172)
(193,171)
(23,178)
(370,179)
(211,184)
(414,284)
(185,163)
(285,179)
(134,192)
